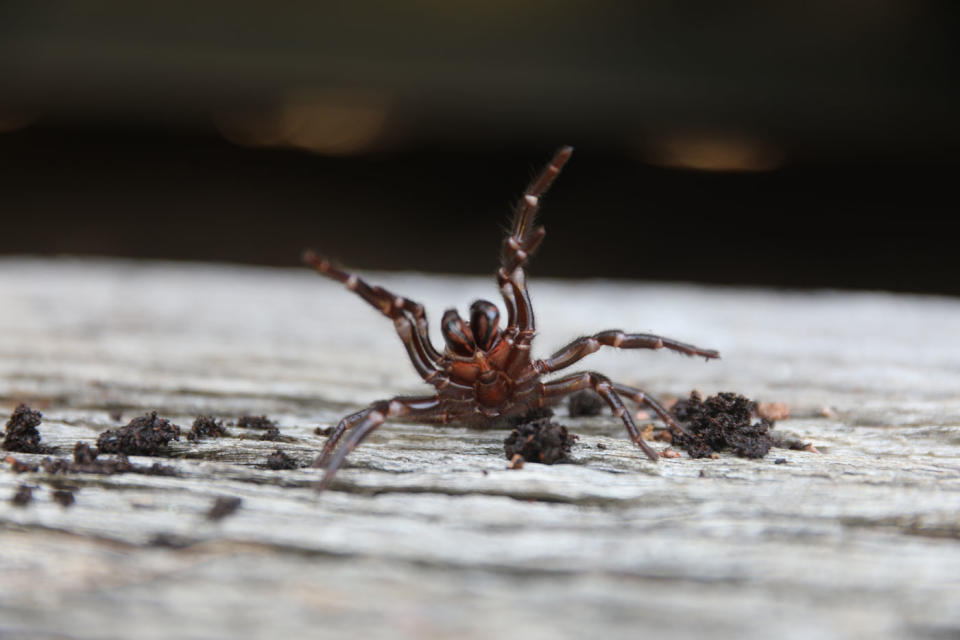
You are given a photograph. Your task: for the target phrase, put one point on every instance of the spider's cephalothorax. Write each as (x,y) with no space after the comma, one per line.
(485,372)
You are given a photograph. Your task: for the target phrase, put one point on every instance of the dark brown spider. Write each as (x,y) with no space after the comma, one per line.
(485,373)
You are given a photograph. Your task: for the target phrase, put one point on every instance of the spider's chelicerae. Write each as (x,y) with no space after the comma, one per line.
(485,372)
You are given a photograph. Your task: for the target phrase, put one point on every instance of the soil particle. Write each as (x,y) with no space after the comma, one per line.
(262,423)
(21,431)
(323,431)
(539,441)
(55,465)
(85,460)
(649,431)
(63,497)
(144,436)
(223,506)
(170,541)
(206,427)
(663,435)
(789,441)
(84,453)
(272,434)
(256,422)
(516,462)
(19,466)
(721,422)
(585,403)
(22,497)
(279,461)
(670,453)
(773,410)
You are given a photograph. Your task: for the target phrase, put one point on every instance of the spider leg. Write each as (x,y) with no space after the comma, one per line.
(642,397)
(520,244)
(365,422)
(415,336)
(523,240)
(606,390)
(582,347)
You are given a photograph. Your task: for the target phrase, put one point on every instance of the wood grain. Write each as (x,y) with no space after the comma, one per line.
(425,534)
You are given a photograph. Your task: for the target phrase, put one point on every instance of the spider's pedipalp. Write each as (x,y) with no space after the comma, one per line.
(528,205)
(520,243)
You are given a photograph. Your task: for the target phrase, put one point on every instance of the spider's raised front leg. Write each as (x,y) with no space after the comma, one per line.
(582,347)
(366,421)
(415,335)
(520,244)
(606,390)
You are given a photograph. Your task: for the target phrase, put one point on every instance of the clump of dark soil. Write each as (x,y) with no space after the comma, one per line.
(539,440)
(63,497)
(585,403)
(223,507)
(323,431)
(256,422)
(719,423)
(22,497)
(21,431)
(147,435)
(206,427)
(279,461)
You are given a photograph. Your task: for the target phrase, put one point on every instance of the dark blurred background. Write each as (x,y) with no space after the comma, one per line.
(799,143)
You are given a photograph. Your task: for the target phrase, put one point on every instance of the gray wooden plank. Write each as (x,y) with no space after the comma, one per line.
(426,534)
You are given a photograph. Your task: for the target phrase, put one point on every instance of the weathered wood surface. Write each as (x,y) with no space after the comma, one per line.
(426,534)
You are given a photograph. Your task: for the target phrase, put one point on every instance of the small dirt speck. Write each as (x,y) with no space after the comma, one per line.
(63,497)
(773,410)
(223,506)
(22,497)
(272,434)
(255,422)
(279,461)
